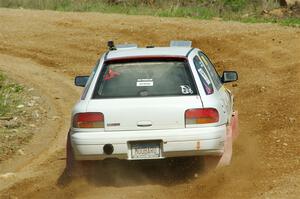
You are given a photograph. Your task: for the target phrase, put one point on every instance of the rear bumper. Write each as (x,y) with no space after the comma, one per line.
(88,144)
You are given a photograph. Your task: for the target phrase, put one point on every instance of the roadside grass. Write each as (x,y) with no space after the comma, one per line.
(236,10)
(9,97)
(11,132)
(172,11)
(293,22)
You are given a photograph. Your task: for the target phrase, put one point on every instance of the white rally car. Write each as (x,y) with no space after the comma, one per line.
(153,103)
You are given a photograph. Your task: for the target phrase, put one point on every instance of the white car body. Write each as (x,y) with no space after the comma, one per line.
(160,120)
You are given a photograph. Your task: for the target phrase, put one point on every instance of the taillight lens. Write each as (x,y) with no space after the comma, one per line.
(201,116)
(88,120)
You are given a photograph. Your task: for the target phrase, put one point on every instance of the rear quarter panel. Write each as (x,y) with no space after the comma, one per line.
(213,100)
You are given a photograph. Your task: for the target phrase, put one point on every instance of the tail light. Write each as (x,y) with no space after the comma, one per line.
(88,120)
(201,116)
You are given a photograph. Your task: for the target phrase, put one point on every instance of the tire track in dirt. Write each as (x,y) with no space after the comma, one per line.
(58,95)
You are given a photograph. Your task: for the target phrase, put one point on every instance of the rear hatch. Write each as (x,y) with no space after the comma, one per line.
(144,113)
(141,94)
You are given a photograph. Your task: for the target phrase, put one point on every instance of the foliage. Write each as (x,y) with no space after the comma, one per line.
(9,96)
(241,10)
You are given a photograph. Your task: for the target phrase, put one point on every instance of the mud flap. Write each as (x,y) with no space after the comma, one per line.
(231,135)
(226,157)
(235,125)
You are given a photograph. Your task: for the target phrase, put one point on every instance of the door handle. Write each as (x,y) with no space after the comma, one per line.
(144,124)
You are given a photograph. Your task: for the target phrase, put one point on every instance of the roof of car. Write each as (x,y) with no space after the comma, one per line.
(143,52)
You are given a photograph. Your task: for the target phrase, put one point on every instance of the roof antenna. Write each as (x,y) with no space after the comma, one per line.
(111,45)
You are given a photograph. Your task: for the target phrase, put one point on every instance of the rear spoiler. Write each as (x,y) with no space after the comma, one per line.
(173,43)
(180,43)
(111,46)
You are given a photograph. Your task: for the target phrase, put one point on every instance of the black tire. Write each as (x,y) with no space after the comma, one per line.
(70,160)
(73,167)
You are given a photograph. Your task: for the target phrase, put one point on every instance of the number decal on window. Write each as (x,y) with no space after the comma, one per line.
(185,89)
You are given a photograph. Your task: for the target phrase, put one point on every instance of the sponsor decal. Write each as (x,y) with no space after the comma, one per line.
(144,82)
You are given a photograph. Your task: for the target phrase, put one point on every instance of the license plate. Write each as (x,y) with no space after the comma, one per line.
(145,150)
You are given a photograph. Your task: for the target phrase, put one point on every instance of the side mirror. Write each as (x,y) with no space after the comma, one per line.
(81,80)
(229,76)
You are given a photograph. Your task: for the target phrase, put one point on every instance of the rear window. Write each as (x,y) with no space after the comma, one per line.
(145,79)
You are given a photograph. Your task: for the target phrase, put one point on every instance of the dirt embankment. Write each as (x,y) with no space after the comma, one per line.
(47,48)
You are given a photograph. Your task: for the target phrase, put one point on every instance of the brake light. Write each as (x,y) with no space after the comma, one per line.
(201,116)
(88,120)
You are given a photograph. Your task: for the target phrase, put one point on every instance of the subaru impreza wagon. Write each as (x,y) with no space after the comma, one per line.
(153,103)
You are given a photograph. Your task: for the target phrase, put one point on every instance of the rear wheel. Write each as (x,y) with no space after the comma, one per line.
(70,160)
(73,167)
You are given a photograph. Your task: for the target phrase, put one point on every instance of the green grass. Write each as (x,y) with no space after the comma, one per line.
(290,22)
(12,134)
(199,9)
(193,12)
(9,96)
(294,22)
(172,11)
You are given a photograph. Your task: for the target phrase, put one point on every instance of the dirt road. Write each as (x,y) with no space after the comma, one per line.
(44,49)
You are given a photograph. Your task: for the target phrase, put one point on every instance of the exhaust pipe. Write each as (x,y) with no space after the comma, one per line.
(108,149)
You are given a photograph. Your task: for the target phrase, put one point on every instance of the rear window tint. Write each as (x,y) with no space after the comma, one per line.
(145,79)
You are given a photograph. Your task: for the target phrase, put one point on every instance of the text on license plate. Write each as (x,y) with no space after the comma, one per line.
(145,150)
